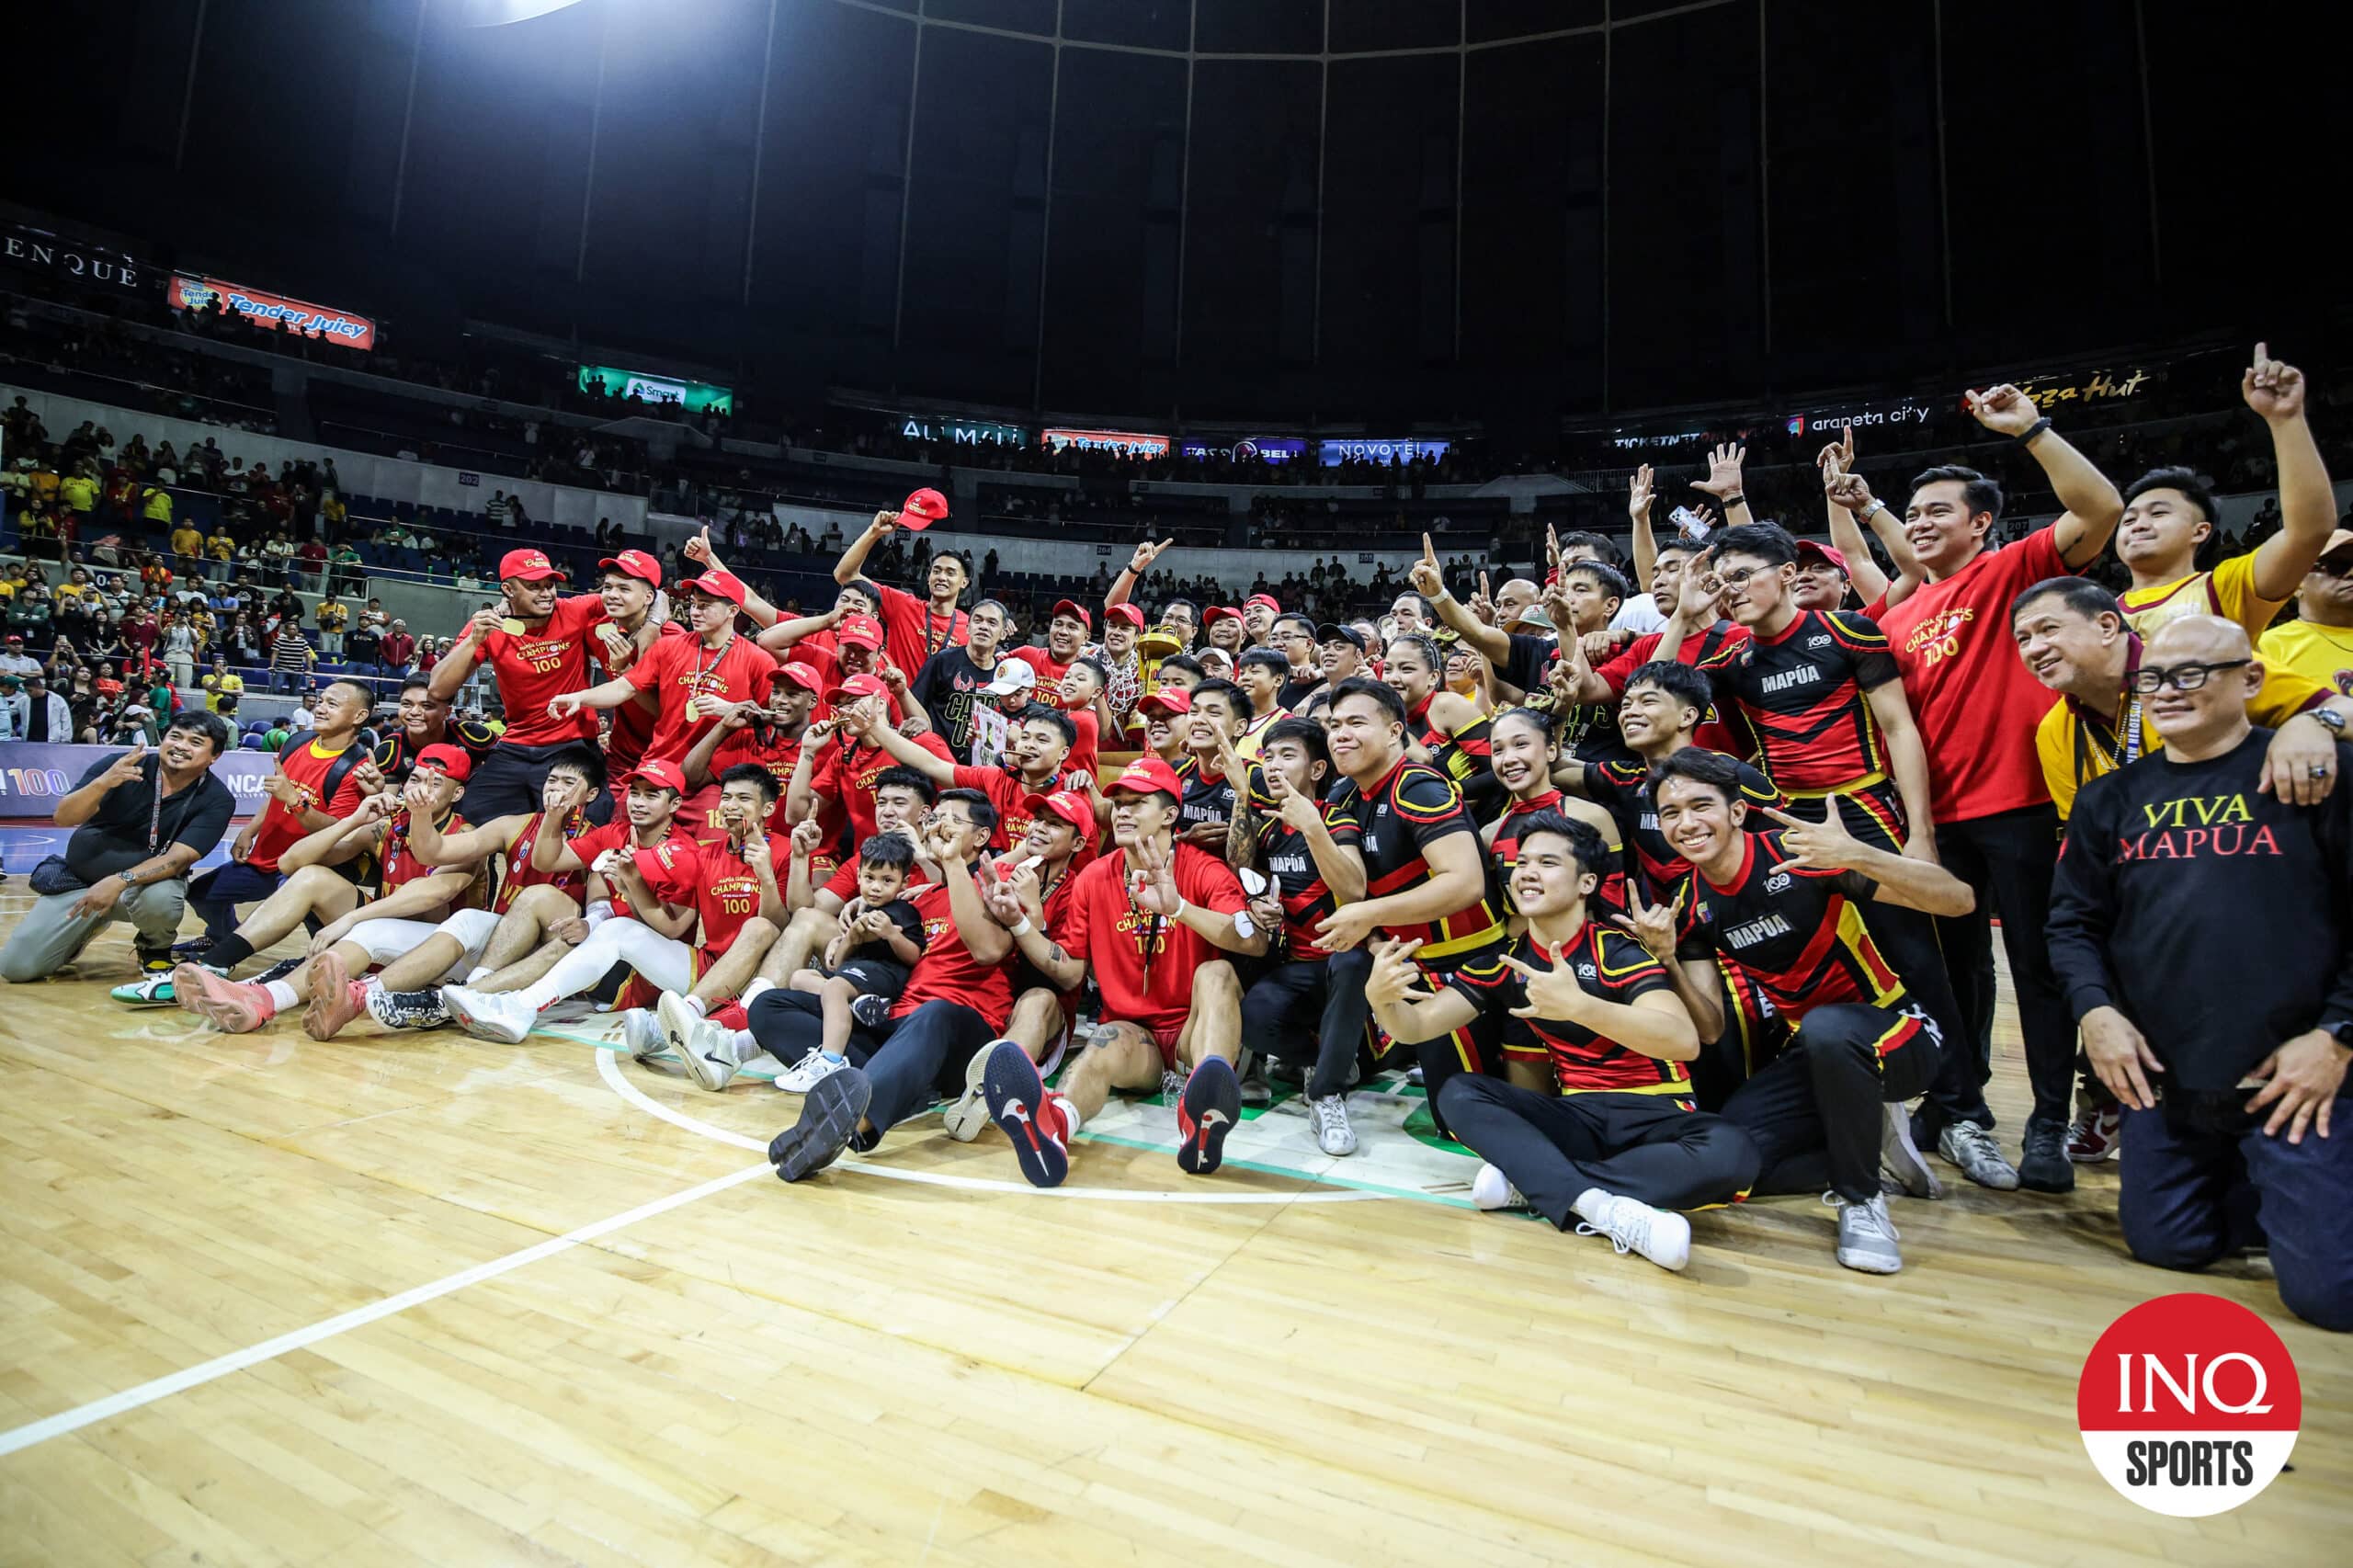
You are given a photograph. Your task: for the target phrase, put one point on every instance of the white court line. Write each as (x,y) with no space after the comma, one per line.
(41,1431)
(638,1097)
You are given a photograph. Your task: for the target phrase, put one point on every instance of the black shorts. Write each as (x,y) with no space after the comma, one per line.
(874,976)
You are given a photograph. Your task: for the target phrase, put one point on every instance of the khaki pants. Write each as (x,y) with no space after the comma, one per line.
(52,936)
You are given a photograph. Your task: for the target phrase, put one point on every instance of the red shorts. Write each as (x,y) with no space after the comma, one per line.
(1164,1030)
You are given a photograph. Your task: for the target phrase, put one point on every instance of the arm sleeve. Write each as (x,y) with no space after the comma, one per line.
(2083,895)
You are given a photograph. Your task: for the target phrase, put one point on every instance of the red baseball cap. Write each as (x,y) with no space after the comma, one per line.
(922,509)
(1124,613)
(1077,611)
(859,631)
(634,564)
(1168,701)
(450,761)
(530,566)
(795,672)
(1075,809)
(718,584)
(1815,550)
(660,774)
(1216,613)
(1267,599)
(1149,775)
(855,686)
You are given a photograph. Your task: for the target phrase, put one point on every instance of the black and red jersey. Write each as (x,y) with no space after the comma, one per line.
(1709,651)
(1503,855)
(1798,931)
(1802,691)
(1623,790)
(1607,965)
(518,873)
(397,865)
(1206,800)
(1411,808)
(1292,866)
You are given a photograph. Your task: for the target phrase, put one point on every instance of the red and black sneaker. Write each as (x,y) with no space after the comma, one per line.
(1033,1124)
(1210,1106)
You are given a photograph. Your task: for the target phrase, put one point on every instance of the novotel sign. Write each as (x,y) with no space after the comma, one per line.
(271,311)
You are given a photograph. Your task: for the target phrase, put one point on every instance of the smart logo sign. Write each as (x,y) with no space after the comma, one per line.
(610,380)
(271,311)
(2189,1404)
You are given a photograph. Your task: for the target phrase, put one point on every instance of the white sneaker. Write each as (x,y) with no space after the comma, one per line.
(692,1039)
(506,1019)
(1492,1189)
(641,1035)
(1660,1234)
(1333,1133)
(1866,1235)
(970,1113)
(1973,1149)
(1900,1158)
(808,1072)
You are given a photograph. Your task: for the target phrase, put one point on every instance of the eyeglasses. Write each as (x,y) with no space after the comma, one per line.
(1739,575)
(2181,677)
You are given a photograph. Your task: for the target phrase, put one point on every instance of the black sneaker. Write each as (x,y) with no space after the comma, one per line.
(281,970)
(152,961)
(2043,1165)
(192,951)
(830,1113)
(871,1011)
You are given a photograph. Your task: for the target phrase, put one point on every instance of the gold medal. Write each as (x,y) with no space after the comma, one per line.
(694,711)
(512,627)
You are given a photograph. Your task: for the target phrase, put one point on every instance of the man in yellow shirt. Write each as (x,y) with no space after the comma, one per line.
(221,547)
(155,505)
(80,493)
(2318,644)
(219,683)
(187,542)
(2074,640)
(2168,513)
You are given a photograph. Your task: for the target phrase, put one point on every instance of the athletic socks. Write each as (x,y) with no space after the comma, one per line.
(281,996)
(477,974)
(1062,1103)
(753,990)
(228,953)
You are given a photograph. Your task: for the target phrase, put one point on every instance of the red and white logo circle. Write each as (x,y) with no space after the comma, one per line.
(2189,1404)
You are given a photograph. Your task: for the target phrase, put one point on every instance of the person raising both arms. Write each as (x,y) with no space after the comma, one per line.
(914,629)
(537,644)
(1593,1124)
(2169,515)
(1153,922)
(1974,704)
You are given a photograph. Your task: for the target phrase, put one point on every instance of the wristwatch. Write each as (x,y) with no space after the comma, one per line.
(2330,720)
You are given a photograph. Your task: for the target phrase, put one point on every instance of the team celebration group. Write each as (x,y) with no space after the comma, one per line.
(1672,888)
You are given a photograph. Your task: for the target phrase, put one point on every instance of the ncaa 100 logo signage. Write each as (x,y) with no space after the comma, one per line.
(42,781)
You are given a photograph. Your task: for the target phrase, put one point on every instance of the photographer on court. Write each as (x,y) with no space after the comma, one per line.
(140,821)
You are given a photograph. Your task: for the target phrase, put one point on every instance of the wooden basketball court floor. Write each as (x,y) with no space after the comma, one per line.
(424,1300)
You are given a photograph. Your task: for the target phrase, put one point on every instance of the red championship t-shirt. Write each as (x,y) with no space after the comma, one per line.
(714,877)
(533,667)
(763,745)
(279,828)
(1143,963)
(634,721)
(615,835)
(1082,751)
(1015,802)
(913,631)
(680,670)
(846,773)
(1049,672)
(1973,699)
(947,972)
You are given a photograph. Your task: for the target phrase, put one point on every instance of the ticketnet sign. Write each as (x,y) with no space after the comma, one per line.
(1127,443)
(275,311)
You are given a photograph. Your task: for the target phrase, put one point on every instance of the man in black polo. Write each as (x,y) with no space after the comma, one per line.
(140,821)
(2201,927)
